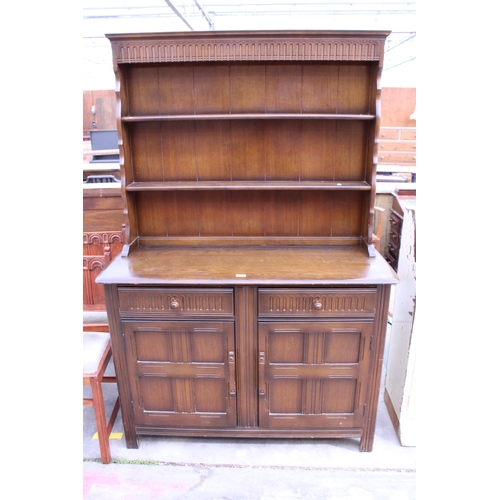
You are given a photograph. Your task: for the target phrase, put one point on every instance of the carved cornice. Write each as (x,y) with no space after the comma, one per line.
(152,48)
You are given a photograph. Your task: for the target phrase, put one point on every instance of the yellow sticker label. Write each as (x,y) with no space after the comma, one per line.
(113,435)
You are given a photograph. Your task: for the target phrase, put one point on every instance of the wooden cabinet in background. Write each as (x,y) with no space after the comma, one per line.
(102,240)
(248,300)
(398,146)
(395,226)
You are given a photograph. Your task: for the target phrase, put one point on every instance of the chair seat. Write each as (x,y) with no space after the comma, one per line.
(94,346)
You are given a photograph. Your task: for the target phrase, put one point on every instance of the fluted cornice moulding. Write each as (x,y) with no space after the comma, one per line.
(248,46)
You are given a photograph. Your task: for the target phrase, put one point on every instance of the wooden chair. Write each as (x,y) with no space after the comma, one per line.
(96,356)
(380,227)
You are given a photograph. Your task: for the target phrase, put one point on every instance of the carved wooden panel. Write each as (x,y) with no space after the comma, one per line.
(183,373)
(169,302)
(96,243)
(243,47)
(311,375)
(303,302)
(99,248)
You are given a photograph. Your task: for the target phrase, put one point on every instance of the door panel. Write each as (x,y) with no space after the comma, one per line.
(182,373)
(313,374)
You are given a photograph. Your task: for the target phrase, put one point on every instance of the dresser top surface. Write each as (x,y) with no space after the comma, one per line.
(249,265)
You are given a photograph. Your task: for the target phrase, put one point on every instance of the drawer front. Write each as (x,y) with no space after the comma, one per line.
(393,251)
(395,236)
(175,302)
(316,302)
(397,158)
(395,219)
(408,135)
(393,261)
(395,226)
(397,146)
(389,134)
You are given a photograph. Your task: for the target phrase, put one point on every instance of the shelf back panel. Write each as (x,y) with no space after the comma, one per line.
(299,214)
(278,87)
(294,150)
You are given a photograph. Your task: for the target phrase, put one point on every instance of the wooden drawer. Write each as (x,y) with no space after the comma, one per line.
(399,146)
(397,158)
(174,302)
(316,302)
(409,135)
(391,260)
(389,134)
(395,236)
(396,219)
(393,248)
(395,226)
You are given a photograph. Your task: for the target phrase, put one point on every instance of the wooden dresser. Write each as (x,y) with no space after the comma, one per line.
(248,300)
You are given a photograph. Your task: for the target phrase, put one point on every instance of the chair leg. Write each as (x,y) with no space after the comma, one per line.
(100,418)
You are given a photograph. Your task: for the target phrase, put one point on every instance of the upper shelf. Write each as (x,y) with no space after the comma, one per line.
(250,116)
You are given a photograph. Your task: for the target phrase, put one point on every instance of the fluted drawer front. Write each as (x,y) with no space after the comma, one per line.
(167,302)
(316,302)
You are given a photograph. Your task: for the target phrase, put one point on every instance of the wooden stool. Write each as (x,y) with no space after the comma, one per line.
(96,356)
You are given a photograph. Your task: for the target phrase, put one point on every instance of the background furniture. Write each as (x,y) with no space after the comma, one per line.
(104,140)
(102,238)
(96,357)
(400,213)
(249,299)
(380,226)
(401,366)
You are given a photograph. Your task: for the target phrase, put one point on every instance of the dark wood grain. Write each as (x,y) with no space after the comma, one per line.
(279,266)
(249,300)
(248,116)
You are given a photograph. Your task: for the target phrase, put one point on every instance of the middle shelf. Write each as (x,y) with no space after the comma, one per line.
(249,185)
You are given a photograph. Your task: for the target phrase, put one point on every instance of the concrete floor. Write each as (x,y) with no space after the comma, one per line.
(250,469)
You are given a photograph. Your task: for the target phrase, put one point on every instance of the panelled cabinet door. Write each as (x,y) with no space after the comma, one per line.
(313,375)
(182,373)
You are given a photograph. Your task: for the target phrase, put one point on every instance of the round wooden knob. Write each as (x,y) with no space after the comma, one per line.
(318,305)
(174,304)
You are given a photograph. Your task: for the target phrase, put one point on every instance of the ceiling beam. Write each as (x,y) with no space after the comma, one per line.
(205,15)
(184,20)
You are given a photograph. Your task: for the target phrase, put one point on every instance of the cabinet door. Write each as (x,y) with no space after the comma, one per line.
(313,375)
(182,373)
